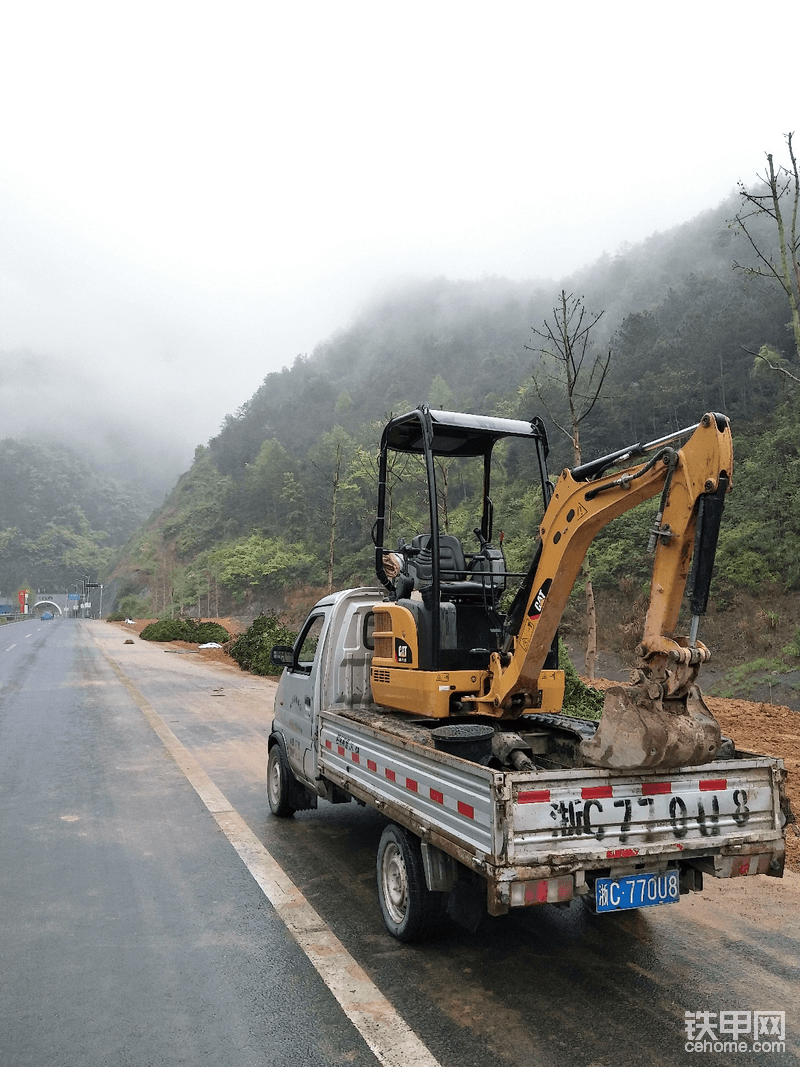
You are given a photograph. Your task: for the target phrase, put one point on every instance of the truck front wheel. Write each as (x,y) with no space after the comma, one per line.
(279,783)
(410,910)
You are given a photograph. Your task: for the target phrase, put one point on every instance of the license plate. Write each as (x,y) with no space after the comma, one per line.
(636,891)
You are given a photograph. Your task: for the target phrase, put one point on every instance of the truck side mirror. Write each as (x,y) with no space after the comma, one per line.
(282,655)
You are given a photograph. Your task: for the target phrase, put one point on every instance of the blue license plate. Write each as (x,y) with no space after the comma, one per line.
(636,891)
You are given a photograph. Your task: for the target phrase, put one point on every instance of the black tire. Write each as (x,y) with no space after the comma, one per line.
(279,783)
(410,910)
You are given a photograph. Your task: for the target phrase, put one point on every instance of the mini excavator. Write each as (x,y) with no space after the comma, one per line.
(446,647)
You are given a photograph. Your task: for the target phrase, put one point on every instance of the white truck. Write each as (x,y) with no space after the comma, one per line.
(469,832)
(439,704)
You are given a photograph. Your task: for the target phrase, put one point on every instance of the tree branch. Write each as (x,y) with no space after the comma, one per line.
(772,366)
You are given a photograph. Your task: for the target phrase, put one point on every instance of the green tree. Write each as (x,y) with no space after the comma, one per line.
(761,533)
(257,561)
(440,395)
(264,500)
(133,607)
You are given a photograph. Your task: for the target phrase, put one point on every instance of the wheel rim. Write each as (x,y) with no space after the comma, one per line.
(274,780)
(395,882)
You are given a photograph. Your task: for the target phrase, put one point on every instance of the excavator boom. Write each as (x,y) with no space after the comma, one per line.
(580,508)
(660,720)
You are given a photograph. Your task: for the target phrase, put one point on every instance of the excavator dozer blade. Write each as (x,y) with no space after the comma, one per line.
(639,731)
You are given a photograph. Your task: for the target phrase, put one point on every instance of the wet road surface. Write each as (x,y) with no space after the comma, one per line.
(132,933)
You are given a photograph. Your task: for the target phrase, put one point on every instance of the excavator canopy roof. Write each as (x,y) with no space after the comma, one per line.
(456,433)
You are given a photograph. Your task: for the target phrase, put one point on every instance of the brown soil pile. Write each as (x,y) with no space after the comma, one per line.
(214,655)
(774,731)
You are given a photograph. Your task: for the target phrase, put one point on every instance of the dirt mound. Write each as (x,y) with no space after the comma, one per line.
(233,626)
(214,655)
(773,730)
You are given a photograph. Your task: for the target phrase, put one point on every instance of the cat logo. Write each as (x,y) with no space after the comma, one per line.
(402,652)
(539,599)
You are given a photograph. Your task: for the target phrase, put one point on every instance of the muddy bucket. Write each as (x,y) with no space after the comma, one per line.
(638,731)
(470,741)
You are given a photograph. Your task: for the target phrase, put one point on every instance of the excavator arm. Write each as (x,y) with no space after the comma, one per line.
(664,700)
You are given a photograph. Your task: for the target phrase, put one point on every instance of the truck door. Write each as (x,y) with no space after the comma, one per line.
(300,694)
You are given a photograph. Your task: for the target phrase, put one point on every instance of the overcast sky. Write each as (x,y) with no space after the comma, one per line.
(191,194)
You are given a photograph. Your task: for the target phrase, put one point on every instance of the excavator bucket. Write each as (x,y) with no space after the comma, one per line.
(639,729)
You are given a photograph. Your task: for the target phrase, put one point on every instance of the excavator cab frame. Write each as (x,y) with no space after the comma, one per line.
(434,434)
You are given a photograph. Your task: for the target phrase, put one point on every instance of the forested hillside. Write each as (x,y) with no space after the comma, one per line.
(284,496)
(59,518)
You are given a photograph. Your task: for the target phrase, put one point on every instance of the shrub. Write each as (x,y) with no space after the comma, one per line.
(580,700)
(252,649)
(793,649)
(133,607)
(185,630)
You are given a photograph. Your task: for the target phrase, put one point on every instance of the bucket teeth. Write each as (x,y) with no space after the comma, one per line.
(640,730)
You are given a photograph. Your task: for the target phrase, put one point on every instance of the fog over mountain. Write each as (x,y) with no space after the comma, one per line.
(190,199)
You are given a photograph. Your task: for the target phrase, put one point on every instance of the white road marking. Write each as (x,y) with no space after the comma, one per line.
(27,635)
(386,1033)
(11,646)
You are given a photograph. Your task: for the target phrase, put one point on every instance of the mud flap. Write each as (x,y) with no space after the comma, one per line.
(640,731)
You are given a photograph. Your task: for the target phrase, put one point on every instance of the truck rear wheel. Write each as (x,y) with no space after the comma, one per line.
(279,783)
(410,910)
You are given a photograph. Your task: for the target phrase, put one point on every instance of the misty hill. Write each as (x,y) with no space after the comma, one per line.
(672,306)
(67,405)
(284,495)
(59,517)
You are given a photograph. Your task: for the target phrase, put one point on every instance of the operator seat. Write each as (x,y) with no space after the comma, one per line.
(457,581)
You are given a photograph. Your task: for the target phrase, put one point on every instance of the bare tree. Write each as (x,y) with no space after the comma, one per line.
(777,198)
(572,362)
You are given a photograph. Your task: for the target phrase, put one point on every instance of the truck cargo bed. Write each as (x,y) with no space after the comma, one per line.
(724,817)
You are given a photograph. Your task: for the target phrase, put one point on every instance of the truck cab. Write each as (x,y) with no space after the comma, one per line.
(328,666)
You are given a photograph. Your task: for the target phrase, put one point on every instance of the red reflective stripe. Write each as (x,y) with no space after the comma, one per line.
(536,892)
(596,792)
(533,796)
(651,789)
(390,775)
(356,758)
(564,888)
(412,785)
(711,785)
(437,796)
(621,853)
(373,766)
(466,809)
(328,744)
(340,749)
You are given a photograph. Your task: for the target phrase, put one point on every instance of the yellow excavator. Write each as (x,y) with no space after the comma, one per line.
(446,647)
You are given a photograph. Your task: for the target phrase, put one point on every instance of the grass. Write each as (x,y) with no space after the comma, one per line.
(763,669)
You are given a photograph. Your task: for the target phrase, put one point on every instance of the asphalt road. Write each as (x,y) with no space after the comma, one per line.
(134,933)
